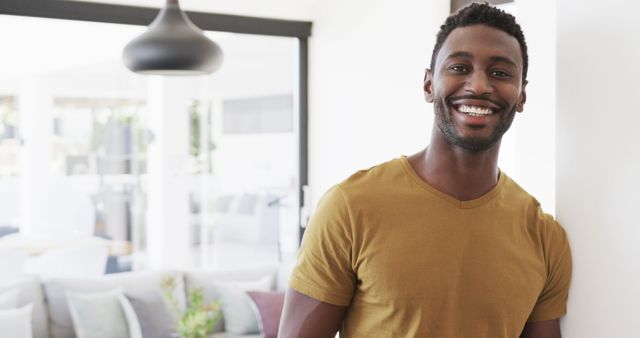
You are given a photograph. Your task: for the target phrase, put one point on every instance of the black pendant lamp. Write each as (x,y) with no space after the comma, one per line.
(172,45)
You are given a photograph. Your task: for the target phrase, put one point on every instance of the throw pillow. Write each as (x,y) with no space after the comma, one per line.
(60,323)
(238,314)
(17,322)
(9,299)
(98,315)
(153,315)
(30,291)
(269,307)
(207,281)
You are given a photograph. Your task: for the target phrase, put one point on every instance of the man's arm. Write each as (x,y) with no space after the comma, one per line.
(303,316)
(542,329)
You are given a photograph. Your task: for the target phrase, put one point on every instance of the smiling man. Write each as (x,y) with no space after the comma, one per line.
(440,243)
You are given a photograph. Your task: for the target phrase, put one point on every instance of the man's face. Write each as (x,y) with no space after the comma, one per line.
(476,86)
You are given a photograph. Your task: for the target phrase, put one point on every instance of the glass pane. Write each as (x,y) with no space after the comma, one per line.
(81,118)
(245,154)
(164,171)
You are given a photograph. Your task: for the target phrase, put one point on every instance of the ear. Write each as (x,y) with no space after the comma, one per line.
(428,85)
(523,97)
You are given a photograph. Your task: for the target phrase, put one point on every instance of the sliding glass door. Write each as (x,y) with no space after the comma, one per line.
(170,171)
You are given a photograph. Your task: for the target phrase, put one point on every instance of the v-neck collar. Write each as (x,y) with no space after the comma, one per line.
(469,204)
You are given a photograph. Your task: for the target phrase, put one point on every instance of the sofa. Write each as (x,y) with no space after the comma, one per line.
(69,307)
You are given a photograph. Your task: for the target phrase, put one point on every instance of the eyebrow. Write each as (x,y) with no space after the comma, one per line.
(468,55)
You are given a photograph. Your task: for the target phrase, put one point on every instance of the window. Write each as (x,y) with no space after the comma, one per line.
(190,172)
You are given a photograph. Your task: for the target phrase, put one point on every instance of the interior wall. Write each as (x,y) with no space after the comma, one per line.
(367,62)
(598,163)
(529,147)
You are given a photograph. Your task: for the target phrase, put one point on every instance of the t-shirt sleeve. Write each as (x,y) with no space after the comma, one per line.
(552,302)
(324,270)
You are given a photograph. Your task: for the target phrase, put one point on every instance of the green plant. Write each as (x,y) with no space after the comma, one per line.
(198,319)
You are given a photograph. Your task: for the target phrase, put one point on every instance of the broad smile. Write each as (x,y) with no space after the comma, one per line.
(474,112)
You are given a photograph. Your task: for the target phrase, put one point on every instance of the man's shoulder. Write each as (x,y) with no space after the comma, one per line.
(375,176)
(518,197)
(517,194)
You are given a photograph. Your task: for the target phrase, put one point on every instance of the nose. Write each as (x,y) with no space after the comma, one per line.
(479,83)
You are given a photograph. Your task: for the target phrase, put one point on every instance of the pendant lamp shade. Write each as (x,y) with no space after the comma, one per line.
(172,45)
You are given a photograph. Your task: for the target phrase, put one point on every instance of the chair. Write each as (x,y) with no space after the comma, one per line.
(74,261)
(12,264)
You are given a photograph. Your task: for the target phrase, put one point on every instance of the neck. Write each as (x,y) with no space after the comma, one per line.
(457,172)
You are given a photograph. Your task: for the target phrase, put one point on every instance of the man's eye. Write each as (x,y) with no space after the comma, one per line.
(499,73)
(458,68)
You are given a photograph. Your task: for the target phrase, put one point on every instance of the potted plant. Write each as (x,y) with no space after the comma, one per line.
(198,319)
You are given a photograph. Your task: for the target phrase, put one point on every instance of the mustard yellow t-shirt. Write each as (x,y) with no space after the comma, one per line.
(410,261)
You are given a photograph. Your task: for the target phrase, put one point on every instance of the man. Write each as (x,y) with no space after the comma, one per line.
(441,243)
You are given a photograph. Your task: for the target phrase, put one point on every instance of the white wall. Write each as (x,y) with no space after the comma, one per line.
(598,162)
(367,61)
(528,149)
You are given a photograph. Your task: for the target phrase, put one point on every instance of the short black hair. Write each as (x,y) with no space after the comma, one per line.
(482,14)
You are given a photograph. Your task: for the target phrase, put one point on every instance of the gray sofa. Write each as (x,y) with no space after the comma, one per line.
(51,316)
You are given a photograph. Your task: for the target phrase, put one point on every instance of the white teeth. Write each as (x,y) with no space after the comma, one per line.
(474,111)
